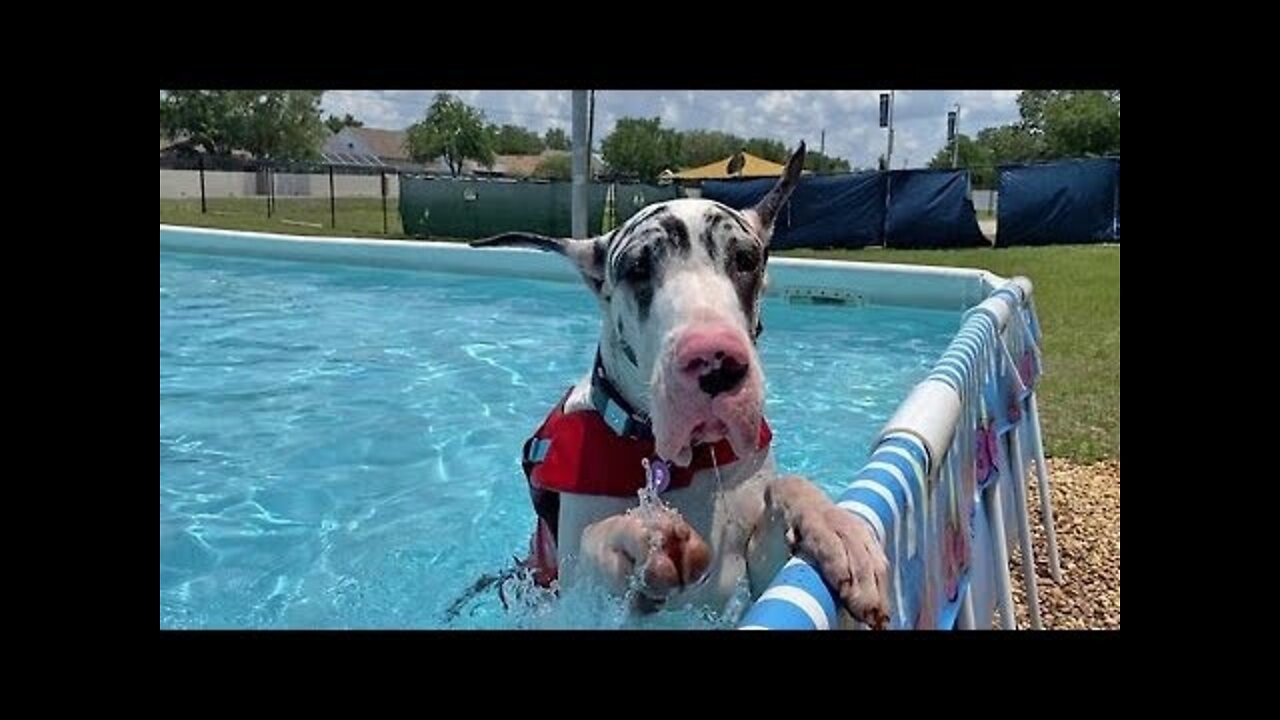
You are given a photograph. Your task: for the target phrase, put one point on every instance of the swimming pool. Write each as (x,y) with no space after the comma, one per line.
(339,444)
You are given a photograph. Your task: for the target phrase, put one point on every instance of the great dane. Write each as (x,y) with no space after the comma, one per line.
(675,402)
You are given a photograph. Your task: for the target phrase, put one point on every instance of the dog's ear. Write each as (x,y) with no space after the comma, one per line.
(587,254)
(762,216)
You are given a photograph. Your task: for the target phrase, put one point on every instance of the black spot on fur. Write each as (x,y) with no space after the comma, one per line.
(597,255)
(677,233)
(626,350)
(737,220)
(712,221)
(745,258)
(644,299)
(651,212)
(748,288)
(637,268)
(636,221)
(624,241)
(651,256)
(626,346)
(744,263)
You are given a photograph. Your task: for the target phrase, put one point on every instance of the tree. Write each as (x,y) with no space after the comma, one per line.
(1073,123)
(555,167)
(452,130)
(970,154)
(556,139)
(1031,109)
(641,147)
(284,125)
(771,150)
(816,162)
(1009,144)
(205,118)
(699,147)
(335,123)
(1081,124)
(277,124)
(515,140)
(1054,124)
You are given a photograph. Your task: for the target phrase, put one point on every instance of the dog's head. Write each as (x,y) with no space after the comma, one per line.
(680,284)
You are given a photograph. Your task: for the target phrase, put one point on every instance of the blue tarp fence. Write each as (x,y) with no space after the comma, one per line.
(902,208)
(931,209)
(1057,203)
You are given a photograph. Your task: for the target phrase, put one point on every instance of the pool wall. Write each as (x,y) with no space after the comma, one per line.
(939,488)
(870,283)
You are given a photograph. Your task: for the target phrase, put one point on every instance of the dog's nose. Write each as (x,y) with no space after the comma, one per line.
(716,360)
(724,378)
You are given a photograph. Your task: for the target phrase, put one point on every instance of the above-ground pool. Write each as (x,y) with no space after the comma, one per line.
(339,445)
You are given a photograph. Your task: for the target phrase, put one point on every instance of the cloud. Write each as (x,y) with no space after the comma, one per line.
(850,118)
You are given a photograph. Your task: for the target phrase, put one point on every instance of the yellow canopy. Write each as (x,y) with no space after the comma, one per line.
(752,166)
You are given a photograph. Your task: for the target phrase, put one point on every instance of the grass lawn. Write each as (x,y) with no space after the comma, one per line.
(1077,294)
(1077,291)
(359,217)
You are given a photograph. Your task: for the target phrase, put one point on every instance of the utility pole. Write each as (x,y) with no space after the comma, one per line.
(888,158)
(822,150)
(578,202)
(953,134)
(591,132)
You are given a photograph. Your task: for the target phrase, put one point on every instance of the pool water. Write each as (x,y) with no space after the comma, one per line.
(339,446)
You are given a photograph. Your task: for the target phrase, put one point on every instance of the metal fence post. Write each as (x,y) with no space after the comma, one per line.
(333,208)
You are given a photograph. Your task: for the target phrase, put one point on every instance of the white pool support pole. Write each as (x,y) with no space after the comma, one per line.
(1018,471)
(994,507)
(966,621)
(1046,495)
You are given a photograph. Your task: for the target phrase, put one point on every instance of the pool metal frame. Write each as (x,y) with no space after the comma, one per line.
(985,379)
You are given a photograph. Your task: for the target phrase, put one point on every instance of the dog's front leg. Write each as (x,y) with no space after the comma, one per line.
(800,519)
(660,554)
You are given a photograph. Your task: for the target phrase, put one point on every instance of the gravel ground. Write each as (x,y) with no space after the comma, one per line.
(1086,506)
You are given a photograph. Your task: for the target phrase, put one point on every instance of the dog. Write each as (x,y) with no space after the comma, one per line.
(675,403)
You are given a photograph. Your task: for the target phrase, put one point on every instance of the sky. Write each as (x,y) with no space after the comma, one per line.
(850,118)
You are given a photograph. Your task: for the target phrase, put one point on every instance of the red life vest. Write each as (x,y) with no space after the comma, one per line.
(578,452)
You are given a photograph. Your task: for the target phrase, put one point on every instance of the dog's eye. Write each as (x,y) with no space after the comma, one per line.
(637,270)
(746,260)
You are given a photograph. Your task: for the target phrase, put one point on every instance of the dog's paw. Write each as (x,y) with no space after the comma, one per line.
(657,554)
(841,545)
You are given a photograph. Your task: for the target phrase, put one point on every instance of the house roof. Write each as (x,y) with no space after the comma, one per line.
(366,146)
(386,144)
(522,165)
(377,147)
(525,165)
(719,170)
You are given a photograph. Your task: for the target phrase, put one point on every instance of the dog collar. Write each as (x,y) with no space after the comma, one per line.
(618,414)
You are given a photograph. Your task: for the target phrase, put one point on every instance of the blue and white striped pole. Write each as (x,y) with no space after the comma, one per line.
(798,599)
(886,494)
(893,484)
